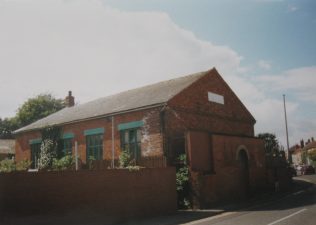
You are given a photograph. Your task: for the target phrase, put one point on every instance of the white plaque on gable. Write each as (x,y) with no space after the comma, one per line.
(212,97)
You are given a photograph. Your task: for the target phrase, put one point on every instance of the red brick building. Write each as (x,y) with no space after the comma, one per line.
(198,115)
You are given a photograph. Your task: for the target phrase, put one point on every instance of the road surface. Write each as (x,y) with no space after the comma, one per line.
(294,209)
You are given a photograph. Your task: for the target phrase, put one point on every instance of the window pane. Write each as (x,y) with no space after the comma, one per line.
(67,146)
(132,136)
(139,135)
(125,137)
(94,146)
(35,153)
(130,141)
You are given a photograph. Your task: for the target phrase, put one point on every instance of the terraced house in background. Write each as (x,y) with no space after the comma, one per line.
(197,115)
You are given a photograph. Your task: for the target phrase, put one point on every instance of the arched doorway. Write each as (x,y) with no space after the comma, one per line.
(243,162)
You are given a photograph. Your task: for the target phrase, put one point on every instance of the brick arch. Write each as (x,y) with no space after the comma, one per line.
(240,148)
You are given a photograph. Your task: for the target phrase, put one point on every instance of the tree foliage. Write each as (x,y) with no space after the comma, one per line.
(312,154)
(37,108)
(30,111)
(271,144)
(7,125)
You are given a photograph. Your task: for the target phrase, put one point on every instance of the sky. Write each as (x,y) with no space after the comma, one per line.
(262,48)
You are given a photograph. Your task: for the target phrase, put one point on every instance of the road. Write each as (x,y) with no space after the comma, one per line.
(295,209)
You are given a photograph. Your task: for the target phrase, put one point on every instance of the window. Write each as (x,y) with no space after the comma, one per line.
(131,142)
(94,144)
(35,154)
(212,97)
(67,147)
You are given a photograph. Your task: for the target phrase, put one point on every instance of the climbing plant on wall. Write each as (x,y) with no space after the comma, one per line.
(49,147)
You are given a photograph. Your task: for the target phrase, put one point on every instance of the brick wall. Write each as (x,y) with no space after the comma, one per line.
(151,143)
(196,112)
(116,194)
(22,146)
(224,180)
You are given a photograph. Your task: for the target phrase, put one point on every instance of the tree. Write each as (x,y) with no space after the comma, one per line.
(271,144)
(37,108)
(312,154)
(7,125)
(31,110)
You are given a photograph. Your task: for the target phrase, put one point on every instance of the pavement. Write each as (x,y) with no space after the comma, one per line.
(268,208)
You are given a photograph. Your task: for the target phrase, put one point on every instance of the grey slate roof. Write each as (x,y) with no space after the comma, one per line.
(151,95)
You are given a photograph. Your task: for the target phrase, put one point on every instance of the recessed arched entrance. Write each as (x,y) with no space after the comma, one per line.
(243,161)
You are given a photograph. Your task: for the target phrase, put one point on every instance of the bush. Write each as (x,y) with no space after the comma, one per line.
(133,168)
(65,163)
(7,166)
(23,165)
(125,159)
(91,163)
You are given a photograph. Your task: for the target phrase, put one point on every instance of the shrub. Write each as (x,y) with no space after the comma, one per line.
(125,159)
(133,168)
(65,163)
(23,165)
(182,183)
(7,166)
(91,162)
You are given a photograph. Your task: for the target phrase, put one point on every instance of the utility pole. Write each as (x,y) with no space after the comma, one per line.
(287,133)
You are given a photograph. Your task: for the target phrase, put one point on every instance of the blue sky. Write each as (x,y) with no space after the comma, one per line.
(281,32)
(262,48)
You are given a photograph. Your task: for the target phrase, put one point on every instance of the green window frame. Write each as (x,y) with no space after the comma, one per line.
(35,154)
(94,146)
(67,146)
(131,142)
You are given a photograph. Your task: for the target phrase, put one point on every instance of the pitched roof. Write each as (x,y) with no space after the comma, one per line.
(310,145)
(7,146)
(151,95)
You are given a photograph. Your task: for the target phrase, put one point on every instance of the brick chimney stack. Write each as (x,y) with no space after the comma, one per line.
(302,143)
(69,100)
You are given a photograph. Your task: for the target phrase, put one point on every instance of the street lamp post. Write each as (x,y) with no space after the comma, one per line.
(287,133)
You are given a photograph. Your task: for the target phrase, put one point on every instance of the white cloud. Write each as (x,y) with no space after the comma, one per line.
(264,64)
(95,50)
(299,82)
(292,8)
(298,85)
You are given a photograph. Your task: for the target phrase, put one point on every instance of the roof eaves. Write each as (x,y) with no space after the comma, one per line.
(21,130)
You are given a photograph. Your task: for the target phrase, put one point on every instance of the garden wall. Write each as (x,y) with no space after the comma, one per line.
(117,194)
